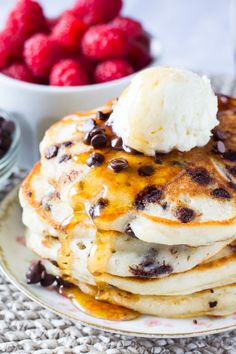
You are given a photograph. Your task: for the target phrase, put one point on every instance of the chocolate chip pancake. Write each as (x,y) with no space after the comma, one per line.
(136,230)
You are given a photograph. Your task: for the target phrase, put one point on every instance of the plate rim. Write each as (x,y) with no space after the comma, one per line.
(11,198)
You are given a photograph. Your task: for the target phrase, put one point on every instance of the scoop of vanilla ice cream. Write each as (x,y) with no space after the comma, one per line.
(163,109)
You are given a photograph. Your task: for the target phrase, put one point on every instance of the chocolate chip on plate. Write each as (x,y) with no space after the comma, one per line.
(103,115)
(51,152)
(145,171)
(118,165)
(99,141)
(184,214)
(47,279)
(220,193)
(33,275)
(199,175)
(62,282)
(95,159)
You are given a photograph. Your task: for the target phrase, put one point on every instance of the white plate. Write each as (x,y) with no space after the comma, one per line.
(15,259)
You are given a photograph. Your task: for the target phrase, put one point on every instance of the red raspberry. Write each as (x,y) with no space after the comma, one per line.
(103,42)
(87,65)
(139,55)
(51,23)
(41,53)
(131,28)
(68,32)
(11,47)
(94,12)
(19,71)
(112,69)
(26,19)
(68,73)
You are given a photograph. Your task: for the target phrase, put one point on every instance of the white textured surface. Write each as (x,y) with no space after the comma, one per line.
(25,327)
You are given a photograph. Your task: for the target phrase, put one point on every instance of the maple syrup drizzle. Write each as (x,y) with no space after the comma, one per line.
(96,308)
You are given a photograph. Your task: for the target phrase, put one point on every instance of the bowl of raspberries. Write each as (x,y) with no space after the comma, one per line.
(53,66)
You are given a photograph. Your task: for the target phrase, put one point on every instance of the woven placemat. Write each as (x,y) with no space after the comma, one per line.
(26,327)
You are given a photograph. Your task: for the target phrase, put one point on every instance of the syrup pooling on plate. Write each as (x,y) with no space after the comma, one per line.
(96,308)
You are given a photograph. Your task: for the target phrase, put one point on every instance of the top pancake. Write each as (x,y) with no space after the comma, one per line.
(189,199)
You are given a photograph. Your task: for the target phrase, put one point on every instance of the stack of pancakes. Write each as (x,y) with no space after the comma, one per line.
(155,235)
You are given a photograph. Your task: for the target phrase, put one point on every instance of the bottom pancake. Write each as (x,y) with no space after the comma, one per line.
(215,302)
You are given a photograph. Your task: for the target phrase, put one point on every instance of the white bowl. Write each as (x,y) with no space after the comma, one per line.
(38,106)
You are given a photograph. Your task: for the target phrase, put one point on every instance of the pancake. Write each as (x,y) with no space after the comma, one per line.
(215,302)
(158,242)
(188,200)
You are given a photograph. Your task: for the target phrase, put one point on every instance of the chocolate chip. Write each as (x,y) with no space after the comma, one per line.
(67,143)
(184,214)
(220,147)
(95,131)
(47,279)
(128,230)
(230,155)
(220,193)
(95,159)
(88,125)
(231,170)
(219,134)
(158,157)
(117,143)
(95,210)
(47,207)
(145,171)
(212,291)
(199,175)
(157,270)
(150,267)
(64,158)
(195,322)
(51,152)
(102,115)
(150,194)
(118,165)
(33,275)
(212,304)
(62,282)
(99,141)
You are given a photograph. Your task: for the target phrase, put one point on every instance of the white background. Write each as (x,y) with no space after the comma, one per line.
(195,33)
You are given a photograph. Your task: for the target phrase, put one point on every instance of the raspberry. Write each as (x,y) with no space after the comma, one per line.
(103,42)
(131,28)
(112,69)
(68,32)
(41,53)
(51,23)
(94,12)
(19,71)
(11,47)
(67,72)
(87,65)
(26,19)
(138,55)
